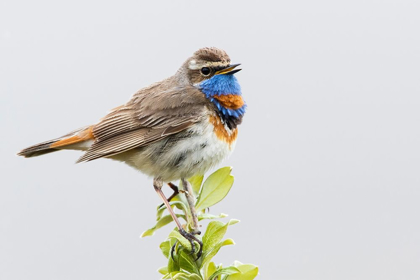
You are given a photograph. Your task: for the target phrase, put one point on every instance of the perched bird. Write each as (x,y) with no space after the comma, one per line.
(173,129)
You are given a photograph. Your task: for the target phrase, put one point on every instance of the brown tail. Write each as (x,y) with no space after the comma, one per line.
(74,137)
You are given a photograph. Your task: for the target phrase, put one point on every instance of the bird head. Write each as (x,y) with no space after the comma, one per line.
(210,70)
(207,63)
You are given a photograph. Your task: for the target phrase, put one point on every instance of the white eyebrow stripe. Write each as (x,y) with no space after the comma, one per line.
(193,65)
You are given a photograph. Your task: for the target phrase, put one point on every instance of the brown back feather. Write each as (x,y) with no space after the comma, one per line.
(152,114)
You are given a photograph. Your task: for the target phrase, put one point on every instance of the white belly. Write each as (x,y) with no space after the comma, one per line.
(180,156)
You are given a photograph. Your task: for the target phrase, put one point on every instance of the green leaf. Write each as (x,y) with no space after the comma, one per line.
(213,227)
(173,265)
(187,262)
(163,270)
(180,205)
(225,271)
(209,269)
(196,182)
(247,272)
(162,222)
(177,203)
(171,275)
(167,276)
(215,232)
(208,216)
(159,212)
(208,255)
(184,276)
(165,247)
(215,188)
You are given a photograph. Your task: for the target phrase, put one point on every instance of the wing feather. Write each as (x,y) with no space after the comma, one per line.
(151,115)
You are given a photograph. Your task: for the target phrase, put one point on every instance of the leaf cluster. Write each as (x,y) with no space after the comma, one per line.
(182,264)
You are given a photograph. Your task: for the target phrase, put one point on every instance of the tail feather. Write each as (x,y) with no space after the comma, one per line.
(63,142)
(38,149)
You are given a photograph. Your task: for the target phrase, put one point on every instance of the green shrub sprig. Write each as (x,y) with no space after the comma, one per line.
(181,263)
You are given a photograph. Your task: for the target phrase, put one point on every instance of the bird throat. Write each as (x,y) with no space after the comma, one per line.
(224,92)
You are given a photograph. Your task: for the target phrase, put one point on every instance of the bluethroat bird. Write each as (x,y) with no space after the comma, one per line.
(171,130)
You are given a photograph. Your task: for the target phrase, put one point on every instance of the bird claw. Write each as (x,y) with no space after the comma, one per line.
(173,250)
(191,238)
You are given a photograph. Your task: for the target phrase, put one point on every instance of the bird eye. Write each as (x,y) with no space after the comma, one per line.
(205,71)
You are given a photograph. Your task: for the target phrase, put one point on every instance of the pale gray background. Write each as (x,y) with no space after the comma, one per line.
(327,162)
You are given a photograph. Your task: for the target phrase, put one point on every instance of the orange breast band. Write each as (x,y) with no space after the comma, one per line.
(230,101)
(221,132)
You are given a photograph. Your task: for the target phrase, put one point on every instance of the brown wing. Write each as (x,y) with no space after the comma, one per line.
(151,115)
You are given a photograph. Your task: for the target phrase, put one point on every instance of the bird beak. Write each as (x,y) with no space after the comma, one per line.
(229,70)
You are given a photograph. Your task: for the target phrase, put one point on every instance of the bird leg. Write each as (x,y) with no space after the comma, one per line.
(158,184)
(175,189)
(191,203)
(176,192)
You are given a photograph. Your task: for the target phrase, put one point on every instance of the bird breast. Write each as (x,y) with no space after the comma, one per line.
(185,154)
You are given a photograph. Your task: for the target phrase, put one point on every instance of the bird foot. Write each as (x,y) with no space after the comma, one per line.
(191,238)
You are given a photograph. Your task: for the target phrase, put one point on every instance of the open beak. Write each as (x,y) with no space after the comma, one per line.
(229,70)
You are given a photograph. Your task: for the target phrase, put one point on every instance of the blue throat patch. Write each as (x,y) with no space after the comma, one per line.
(223,85)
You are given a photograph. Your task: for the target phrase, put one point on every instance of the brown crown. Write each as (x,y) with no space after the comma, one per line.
(212,54)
